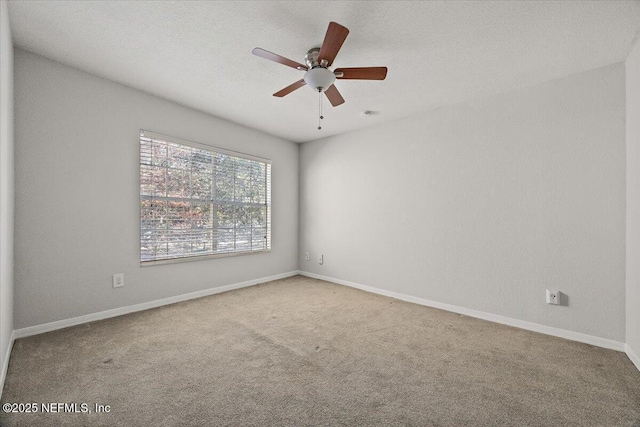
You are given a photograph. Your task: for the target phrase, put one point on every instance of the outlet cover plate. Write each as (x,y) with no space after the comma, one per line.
(553,297)
(118,280)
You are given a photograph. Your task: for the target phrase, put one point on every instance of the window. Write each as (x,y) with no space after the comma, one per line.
(199,201)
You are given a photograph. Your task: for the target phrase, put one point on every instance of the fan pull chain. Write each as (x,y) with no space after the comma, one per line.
(320,110)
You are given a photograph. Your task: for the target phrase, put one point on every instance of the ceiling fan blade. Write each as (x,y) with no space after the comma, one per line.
(336,35)
(287,90)
(334,96)
(277,58)
(362,73)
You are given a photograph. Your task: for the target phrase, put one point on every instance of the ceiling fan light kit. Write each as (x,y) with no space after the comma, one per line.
(319,78)
(318,75)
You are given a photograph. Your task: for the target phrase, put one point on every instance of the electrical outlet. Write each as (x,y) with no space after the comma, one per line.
(321,260)
(306,256)
(553,297)
(118,280)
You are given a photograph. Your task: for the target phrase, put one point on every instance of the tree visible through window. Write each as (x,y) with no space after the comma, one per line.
(199,201)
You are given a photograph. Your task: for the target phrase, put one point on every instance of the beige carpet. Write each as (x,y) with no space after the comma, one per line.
(301,351)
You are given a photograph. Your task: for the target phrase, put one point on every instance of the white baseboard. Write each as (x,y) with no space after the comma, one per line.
(522,324)
(632,355)
(59,324)
(535,327)
(5,364)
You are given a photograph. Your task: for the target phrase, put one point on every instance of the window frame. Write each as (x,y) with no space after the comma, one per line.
(213,149)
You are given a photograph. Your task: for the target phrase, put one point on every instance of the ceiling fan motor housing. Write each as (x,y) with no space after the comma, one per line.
(311,58)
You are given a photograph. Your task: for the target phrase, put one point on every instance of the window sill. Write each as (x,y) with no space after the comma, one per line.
(198,258)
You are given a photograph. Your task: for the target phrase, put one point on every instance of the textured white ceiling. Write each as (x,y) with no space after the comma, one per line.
(199,53)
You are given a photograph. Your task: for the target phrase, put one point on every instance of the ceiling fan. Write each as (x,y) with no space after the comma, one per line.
(318,76)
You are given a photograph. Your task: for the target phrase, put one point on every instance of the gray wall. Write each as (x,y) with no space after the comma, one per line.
(483,205)
(77,210)
(6,184)
(633,200)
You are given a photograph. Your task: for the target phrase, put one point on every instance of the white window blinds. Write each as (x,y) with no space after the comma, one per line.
(198,201)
